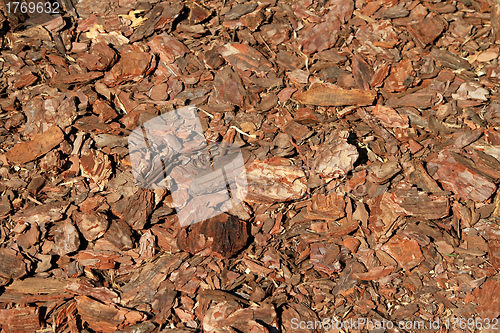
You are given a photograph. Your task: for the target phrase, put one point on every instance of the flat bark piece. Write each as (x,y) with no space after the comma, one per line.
(106,317)
(92,225)
(82,287)
(245,58)
(420,204)
(96,165)
(24,79)
(362,72)
(486,165)
(134,64)
(161,16)
(146,280)
(256,268)
(51,212)
(378,39)
(374,273)
(40,145)
(342,227)
(326,207)
(99,58)
(228,88)
(20,320)
(418,176)
(163,300)
(322,36)
(135,209)
(383,216)
(459,178)
(75,78)
(239,10)
(167,47)
(144,327)
(222,296)
(38,285)
(331,96)
(381,173)
(12,265)
(487,298)
(254,319)
(223,234)
(335,156)
(59,109)
(426,31)
(198,13)
(401,76)
(421,100)
(326,257)
(450,60)
(104,110)
(379,75)
(66,237)
(97,259)
(495,20)
(406,251)
(391,142)
(215,317)
(494,252)
(120,235)
(295,313)
(275,179)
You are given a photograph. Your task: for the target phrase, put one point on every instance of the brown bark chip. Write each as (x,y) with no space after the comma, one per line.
(38,146)
(330,96)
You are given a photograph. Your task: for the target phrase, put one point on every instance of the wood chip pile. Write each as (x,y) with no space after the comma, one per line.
(370,137)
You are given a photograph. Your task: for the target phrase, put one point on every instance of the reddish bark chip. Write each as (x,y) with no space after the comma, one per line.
(12,265)
(245,58)
(96,165)
(66,238)
(167,47)
(389,117)
(135,209)
(106,317)
(228,88)
(326,257)
(223,234)
(406,251)
(487,298)
(374,273)
(401,76)
(420,204)
(92,225)
(460,178)
(105,111)
(326,207)
(331,96)
(99,58)
(20,320)
(26,78)
(40,145)
(134,65)
(426,31)
(335,156)
(275,179)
